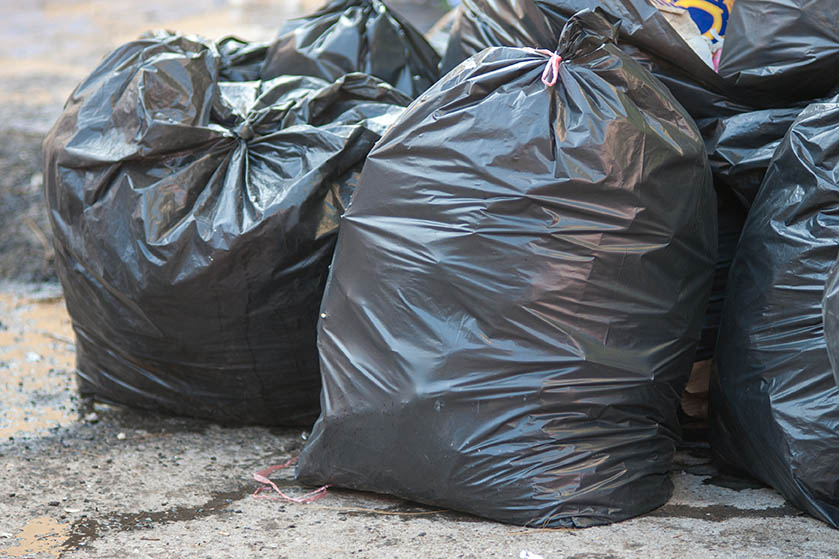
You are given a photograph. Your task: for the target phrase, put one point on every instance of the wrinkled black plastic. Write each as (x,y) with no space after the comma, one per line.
(830,314)
(241,61)
(354,36)
(741,145)
(194,223)
(730,218)
(644,34)
(517,292)
(774,401)
(649,39)
(783,50)
(479,24)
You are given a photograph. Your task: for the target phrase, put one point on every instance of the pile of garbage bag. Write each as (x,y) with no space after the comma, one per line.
(489,273)
(194,224)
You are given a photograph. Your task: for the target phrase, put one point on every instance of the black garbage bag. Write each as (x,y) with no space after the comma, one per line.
(194,224)
(479,24)
(783,50)
(517,292)
(730,218)
(241,61)
(774,401)
(830,313)
(741,145)
(644,30)
(645,35)
(354,36)
(739,148)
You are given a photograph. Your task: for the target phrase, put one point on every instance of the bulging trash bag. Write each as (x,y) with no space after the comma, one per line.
(774,401)
(517,292)
(194,224)
(241,61)
(354,36)
(740,147)
(783,49)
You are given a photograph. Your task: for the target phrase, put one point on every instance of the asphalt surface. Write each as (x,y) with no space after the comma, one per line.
(86,480)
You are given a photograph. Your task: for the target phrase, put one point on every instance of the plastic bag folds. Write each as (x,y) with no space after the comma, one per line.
(782,50)
(517,291)
(194,223)
(774,400)
(354,36)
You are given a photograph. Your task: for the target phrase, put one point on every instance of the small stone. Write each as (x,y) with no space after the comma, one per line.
(35,181)
(92,417)
(33,357)
(71,510)
(121,436)
(53,503)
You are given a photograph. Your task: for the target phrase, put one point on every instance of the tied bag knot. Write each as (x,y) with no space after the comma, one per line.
(550,75)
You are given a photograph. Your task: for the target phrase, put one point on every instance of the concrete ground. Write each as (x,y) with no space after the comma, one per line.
(84,480)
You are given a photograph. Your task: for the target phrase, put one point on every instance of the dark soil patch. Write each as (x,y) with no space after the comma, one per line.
(26,252)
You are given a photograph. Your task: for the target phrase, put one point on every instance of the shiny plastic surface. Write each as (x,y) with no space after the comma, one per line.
(774,401)
(830,314)
(741,145)
(517,292)
(354,36)
(479,24)
(649,39)
(194,223)
(644,34)
(785,50)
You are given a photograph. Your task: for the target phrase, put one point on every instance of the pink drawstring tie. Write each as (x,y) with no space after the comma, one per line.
(551,73)
(262,477)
